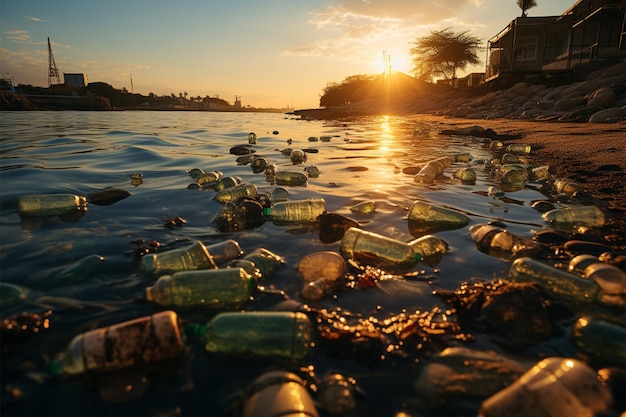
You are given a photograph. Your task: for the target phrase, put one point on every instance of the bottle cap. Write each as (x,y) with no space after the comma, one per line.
(195,331)
(267,211)
(55,367)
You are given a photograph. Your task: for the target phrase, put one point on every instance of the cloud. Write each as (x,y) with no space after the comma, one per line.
(35,19)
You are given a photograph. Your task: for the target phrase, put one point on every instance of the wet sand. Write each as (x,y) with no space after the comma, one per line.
(592,154)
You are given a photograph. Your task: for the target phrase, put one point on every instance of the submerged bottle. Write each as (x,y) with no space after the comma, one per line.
(40,205)
(195,256)
(600,339)
(501,243)
(377,250)
(208,178)
(322,272)
(224,251)
(364,207)
(554,387)
(226,182)
(245,189)
(568,217)
(257,333)
(431,247)
(226,288)
(140,341)
(427,218)
(298,211)
(336,394)
(260,263)
(576,292)
(278,394)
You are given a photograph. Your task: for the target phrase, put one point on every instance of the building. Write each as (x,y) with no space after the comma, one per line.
(590,32)
(75,80)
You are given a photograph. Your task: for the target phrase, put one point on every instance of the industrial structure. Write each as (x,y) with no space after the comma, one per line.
(53,71)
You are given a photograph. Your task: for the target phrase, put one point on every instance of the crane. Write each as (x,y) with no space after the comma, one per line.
(53,71)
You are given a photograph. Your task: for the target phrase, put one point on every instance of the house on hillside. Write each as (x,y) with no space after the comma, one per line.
(590,32)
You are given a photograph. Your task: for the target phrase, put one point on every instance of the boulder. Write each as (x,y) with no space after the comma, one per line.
(612,115)
(603,98)
(568,103)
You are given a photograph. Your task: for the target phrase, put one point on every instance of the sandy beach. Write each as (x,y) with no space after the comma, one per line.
(592,154)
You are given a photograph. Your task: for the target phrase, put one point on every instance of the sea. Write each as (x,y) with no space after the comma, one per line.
(150,155)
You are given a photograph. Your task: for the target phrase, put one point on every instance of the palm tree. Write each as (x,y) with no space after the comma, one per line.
(525,5)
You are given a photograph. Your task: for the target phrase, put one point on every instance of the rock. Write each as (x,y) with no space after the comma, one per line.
(602,97)
(568,103)
(611,115)
(580,115)
(546,104)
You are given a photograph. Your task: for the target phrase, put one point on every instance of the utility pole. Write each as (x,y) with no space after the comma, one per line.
(132,88)
(53,71)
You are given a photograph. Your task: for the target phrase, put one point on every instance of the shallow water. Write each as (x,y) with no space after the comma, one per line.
(82,152)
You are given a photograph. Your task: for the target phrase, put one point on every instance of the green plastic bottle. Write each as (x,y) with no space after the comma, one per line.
(600,339)
(568,217)
(245,189)
(140,341)
(40,205)
(374,249)
(291,178)
(220,289)
(195,256)
(278,334)
(427,218)
(299,211)
(260,263)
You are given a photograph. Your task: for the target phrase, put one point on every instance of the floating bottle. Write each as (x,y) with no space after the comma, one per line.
(297,156)
(539,173)
(226,182)
(433,170)
(195,256)
(335,394)
(322,272)
(298,211)
(222,289)
(501,243)
(79,271)
(207,178)
(291,178)
(576,292)
(259,164)
(40,205)
(427,218)
(260,263)
(245,189)
(377,250)
(365,207)
(252,138)
(600,339)
(278,394)
(278,334)
(431,247)
(463,157)
(554,387)
(465,175)
(225,251)
(140,341)
(568,217)
(509,158)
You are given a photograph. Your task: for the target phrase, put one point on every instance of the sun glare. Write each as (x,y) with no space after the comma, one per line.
(399,61)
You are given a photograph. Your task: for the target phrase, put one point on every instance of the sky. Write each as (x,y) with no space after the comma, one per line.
(270,53)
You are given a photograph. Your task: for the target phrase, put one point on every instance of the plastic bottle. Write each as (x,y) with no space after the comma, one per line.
(321,272)
(207,178)
(336,394)
(568,217)
(299,211)
(374,249)
(610,279)
(365,207)
(509,158)
(140,341)
(518,149)
(245,189)
(578,264)
(224,251)
(259,164)
(554,387)
(40,205)
(226,182)
(195,256)
(574,291)
(433,170)
(260,263)
(78,271)
(600,339)
(280,334)
(431,247)
(427,218)
(297,156)
(501,243)
(278,394)
(226,288)
(252,138)
(465,175)
(291,178)
(567,186)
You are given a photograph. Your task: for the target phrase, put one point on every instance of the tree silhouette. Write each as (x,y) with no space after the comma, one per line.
(442,52)
(525,5)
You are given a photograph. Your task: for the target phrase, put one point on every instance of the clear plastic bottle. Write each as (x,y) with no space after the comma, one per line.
(252,138)
(195,256)
(427,218)
(279,334)
(224,251)
(291,178)
(78,271)
(207,178)
(220,289)
(501,243)
(40,205)
(321,272)
(568,217)
(374,249)
(578,264)
(567,186)
(518,149)
(260,263)
(365,207)
(245,189)
(336,394)
(576,292)
(143,340)
(431,247)
(610,279)
(600,339)
(433,170)
(226,182)
(278,394)
(298,211)
(554,387)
